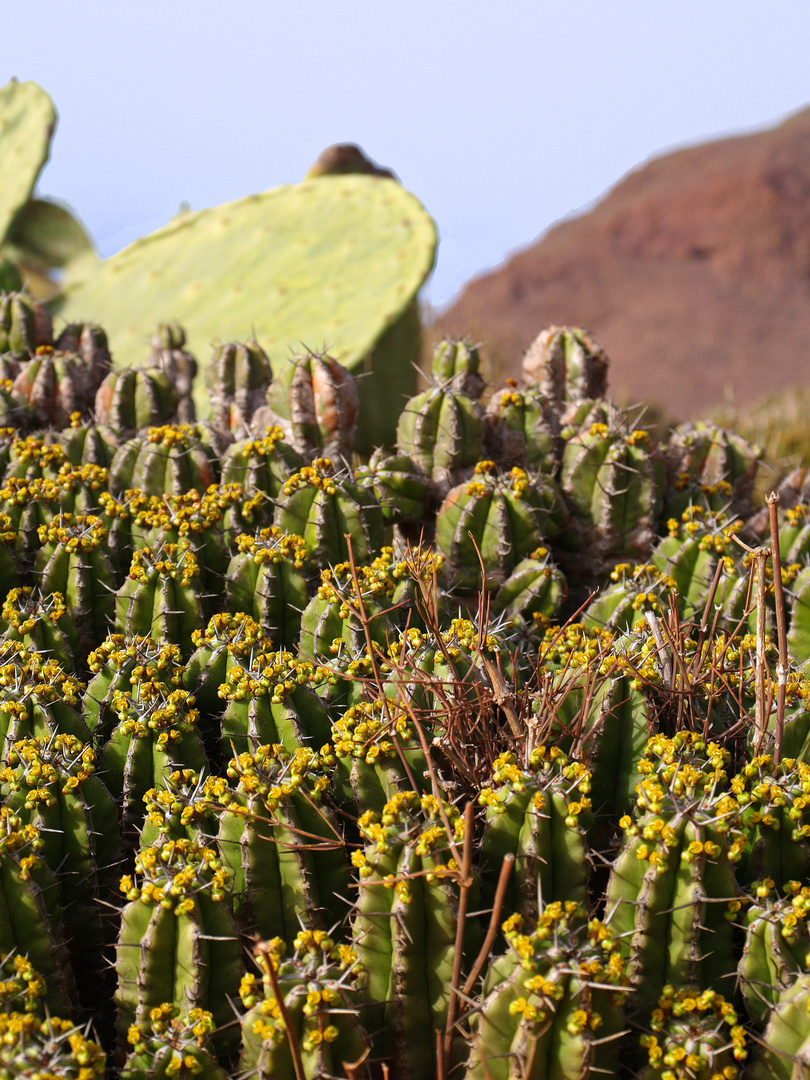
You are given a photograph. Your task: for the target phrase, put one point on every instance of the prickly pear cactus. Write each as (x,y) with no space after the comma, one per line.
(27,122)
(339,263)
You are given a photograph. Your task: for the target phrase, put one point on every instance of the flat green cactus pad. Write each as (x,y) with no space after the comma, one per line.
(27,122)
(45,234)
(332,262)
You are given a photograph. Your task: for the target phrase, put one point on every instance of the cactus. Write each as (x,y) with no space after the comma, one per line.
(261,465)
(134,399)
(178,943)
(182,807)
(281,843)
(401,490)
(347,606)
(523,429)
(72,562)
(708,464)
(167,460)
(172,1043)
(775,819)
(177,364)
(267,578)
(24,326)
(155,733)
(496,520)
(22,988)
(89,342)
(405,925)
(162,596)
(776,945)
(32,1046)
(551,1005)
(37,697)
(441,431)
(56,385)
(672,881)
(228,641)
(27,122)
(539,815)
(269,700)
(323,408)
(122,663)
(612,480)
(53,784)
(237,378)
(568,367)
(31,922)
(324,507)
(40,622)
(695,1035)
(319,240)
(378,752)
(320,991)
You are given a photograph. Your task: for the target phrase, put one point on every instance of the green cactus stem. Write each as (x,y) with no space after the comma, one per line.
(178,942)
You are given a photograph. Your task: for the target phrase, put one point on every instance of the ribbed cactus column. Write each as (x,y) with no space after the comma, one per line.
(405,926)
(551,1005)
(271,700)
(166,460)
(324,507)
(539,815)
(332,618)
(318,992)
(73,561)
(178,943)
(777,945)
(496,519)
(673,880)
(37,697)
(155,732)
(282,843)
(162,596)
(31,921)
(123,662)
(267,579)
(172,1044)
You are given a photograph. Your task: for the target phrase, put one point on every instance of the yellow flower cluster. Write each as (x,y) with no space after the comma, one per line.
(695,1033)
(366,730)
(176,561)
(239,633)
(23,608)
(273,545)
(168,1027)
(84,532)
(38,766)
(320,475)
(564,944)
(151,711)
(274,675)
(25,677)
(174,873)
(20,984)
(51,1047)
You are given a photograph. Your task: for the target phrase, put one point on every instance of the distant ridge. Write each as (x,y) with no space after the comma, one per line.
(693,272)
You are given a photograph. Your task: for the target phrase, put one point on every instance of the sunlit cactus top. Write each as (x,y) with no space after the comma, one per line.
(173,874)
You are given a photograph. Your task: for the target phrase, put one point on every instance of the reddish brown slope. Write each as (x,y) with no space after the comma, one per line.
(693,272)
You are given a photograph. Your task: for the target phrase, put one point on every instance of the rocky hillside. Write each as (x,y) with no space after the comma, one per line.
(693,272)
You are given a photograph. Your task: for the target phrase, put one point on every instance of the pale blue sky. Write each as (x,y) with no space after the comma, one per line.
(501,117)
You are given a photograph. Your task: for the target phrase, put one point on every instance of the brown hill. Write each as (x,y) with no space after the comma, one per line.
(693,272)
